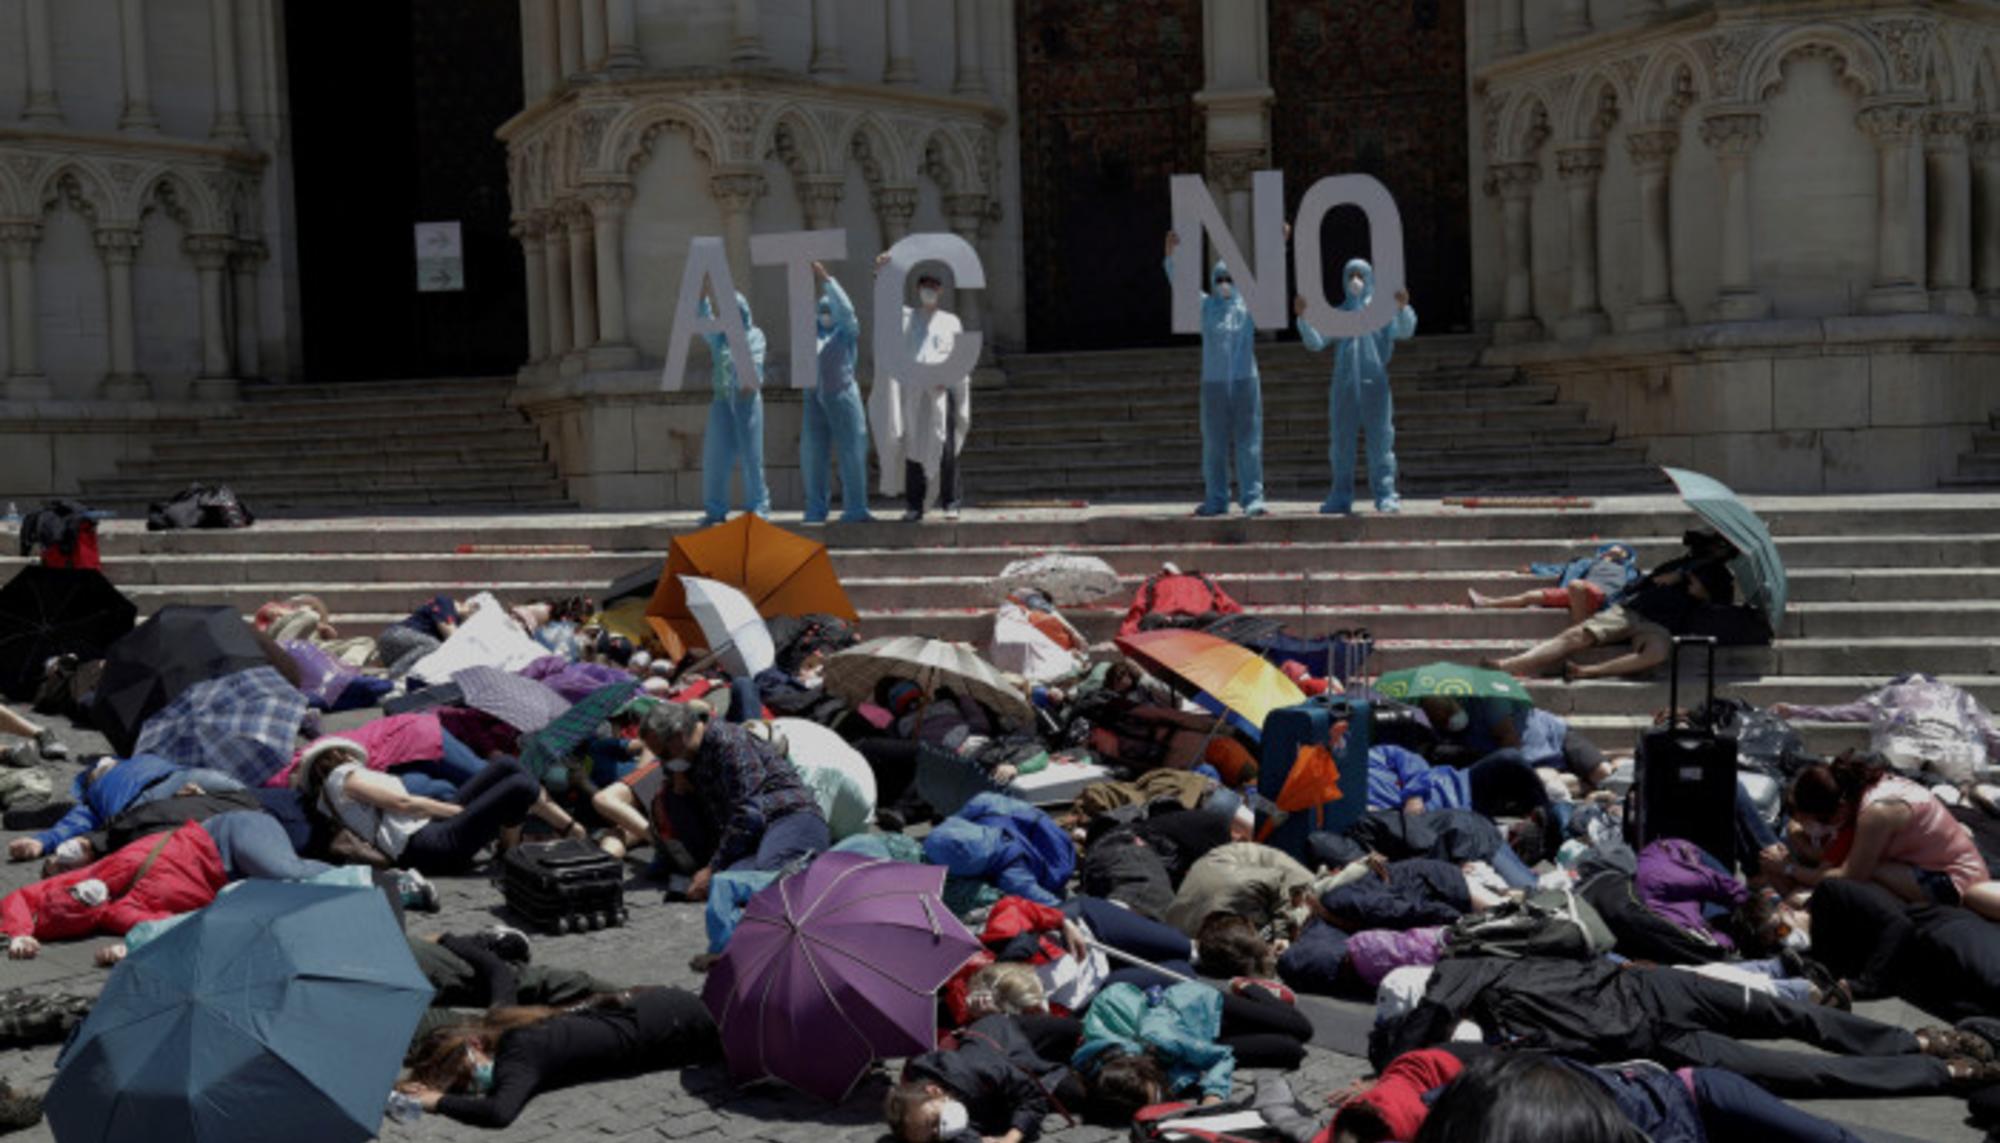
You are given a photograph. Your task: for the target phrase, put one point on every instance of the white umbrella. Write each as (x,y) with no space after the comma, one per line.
(735,632)
(837,773)
(1066,578)
(929,663)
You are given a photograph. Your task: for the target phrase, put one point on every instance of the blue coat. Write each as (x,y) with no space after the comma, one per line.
(1177,1025)
(1228,334)
(109,796)
(1364,358)
(1611,575)
(1007,842)
(1396,775)
(722,362)
(838,346)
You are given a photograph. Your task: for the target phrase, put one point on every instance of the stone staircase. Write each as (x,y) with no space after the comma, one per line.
(1979,468)
(1125,426)
(389,445)
(1879,585)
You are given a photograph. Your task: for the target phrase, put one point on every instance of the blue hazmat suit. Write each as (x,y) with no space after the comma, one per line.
(834,417)
(1359,396)
(1232,402)
(735,425)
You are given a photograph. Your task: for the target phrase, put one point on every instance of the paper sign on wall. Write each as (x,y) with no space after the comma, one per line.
(440,258)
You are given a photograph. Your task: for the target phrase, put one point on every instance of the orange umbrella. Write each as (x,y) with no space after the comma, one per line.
(1232,681)
(782,573)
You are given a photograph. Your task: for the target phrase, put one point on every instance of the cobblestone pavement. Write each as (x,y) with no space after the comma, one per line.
(700,1105)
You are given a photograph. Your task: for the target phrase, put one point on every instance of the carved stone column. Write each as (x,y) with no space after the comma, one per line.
(1899,209)
(894,207)
(137,115)
(117,247)
(621,31)
(569,40)
(592,14)
(25,380)
(1581,169)
(43,105)
(899,66)
(1948,179)
(746,40)
(246,262)
(527,230)
(1513,37)
(1652,153)
(966,214)
(971,76)
(1986,212)
(827,58)
(607,213)
(737,192)
(1230,172)
(582,235)
(546,20)
(228,94)
(210,255)
(555,263)
(1514,184)
(1733,135)
(819,199)
(1572,18)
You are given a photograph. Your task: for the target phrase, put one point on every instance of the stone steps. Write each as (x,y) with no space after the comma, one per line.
(1310,419)
(1979,468)
(407,446)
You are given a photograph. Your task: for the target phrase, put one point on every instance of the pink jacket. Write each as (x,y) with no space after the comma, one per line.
(394,741)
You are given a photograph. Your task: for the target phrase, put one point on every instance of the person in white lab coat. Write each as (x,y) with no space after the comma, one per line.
(920,428)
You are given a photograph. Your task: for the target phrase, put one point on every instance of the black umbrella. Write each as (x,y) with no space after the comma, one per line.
(168,653)
(45,612)
(635,584)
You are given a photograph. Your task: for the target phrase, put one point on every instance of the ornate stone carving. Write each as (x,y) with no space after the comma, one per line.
(67,190)
(526,229)
(1513,180)
(1495,108)
(894,202)
(1231,170)
(122,176)
(1986,138)
(967,212)
(208,251)
(1579,164)
(249,254)
(591,124)
(117,244)
(25,167)
(606,200)
(1906,42)
(1653,150)
(1888,122)
(1947,128)
(819,197)
(1725,53)
(1733,134)
(737,190)
(1628,71)
(739,119)
(18,238)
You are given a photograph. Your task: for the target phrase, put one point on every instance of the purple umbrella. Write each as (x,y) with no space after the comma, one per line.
(523,704)
(573,681)
(833,968)
(322,678)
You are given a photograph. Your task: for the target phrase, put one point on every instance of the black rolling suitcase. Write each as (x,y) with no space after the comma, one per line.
(564,886)
(1685,780)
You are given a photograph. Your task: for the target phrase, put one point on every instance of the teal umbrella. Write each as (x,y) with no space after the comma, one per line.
(546,748)
(1760,574)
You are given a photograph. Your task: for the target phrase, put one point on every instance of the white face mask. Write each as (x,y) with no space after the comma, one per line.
(952,1119)
(1225,291)
(1798,940)
(1458,721)
(929,295)
(1356,285)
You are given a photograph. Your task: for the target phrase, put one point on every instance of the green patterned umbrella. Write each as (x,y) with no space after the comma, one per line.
(546,748)
(1451,680)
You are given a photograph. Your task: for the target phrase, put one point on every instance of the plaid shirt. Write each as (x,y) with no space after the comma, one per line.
(744,785)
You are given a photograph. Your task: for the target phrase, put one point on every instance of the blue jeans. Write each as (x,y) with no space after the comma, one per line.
(441,777)
(735,438)
(1734,1108)
(793,836)
(253,844)
(836,420)
(1128,932)
(1232,423)
(1511,868)
(1352,407)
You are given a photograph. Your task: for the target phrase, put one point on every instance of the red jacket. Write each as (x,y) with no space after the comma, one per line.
(1397,1099)
(1184,595)
(186,876)
(1010,917)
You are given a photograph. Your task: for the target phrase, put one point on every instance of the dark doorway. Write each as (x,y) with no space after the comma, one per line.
(393,109)
(1107,114)
(1378,87)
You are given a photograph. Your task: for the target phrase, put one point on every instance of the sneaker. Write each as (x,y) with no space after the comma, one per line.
(418,893)
(1331,509)
(812,521)
(36,817)
(509,944)
(951,513)
(1206,512)
(913,516)
(1389,507)
(1256,511)
(21,756)
(50,749)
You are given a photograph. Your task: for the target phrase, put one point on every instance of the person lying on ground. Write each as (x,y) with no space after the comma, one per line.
(1917,722)
(1584,586)
(761,811)
(484,1073)
(106,790)
(998,1081)
(1942,959)
(150,879)
(42,744)
(1857,819)
(426,834)
(1266,885)
(1647,616)
(1143,1046)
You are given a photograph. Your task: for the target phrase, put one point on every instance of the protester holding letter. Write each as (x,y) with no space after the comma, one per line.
(735,422)
(1232,409)
(1360,392)
(833,413)
(934,416)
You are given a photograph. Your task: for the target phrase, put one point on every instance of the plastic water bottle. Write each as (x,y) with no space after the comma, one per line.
(404,1108)
(13,516)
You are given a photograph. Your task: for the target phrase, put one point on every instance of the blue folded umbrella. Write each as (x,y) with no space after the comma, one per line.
(280,1012)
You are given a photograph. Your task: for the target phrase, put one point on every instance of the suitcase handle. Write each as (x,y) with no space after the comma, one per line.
(1674,681)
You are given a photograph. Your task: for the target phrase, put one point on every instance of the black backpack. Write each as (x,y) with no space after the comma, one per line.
(199,506)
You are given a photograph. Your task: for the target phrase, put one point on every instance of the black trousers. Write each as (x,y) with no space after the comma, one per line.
(1702,1023)
(915,481)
